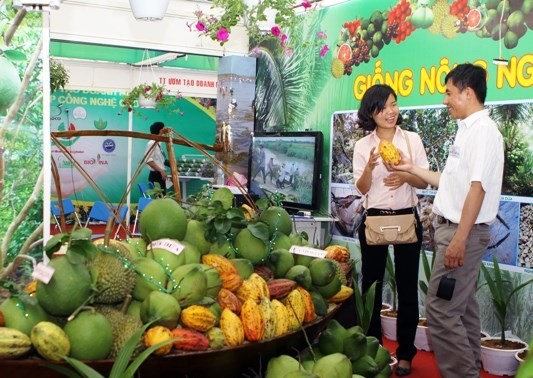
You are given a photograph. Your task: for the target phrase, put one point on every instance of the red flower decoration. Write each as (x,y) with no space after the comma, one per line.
(306,4)
(200,26)
(283,39)
(324,50)
(275,31)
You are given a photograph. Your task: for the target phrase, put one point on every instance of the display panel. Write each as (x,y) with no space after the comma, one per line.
(287,163)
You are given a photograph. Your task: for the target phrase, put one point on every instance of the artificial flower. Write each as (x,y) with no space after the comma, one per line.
(283,39)
(306,4)
(324,50)
(288,52)
(275,31)
(321,35)
(200,26)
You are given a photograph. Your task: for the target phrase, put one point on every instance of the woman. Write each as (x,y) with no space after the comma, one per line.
(388,193)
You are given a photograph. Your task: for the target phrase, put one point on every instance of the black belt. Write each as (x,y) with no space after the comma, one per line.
(441,220)
(377,212)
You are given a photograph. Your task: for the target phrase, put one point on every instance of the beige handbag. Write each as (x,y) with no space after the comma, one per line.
(391,229)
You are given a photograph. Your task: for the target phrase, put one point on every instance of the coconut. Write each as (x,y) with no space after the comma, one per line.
(90,336)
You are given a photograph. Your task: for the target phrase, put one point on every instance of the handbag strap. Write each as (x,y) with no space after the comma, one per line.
(411,156)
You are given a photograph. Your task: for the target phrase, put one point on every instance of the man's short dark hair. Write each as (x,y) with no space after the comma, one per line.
(469,75)
(157,127)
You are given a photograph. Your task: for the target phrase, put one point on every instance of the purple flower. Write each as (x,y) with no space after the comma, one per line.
(283,39)
(324,50)
(321,35)
(306,4)
(275,31)
(255,51)
(200,26)
(288,52)
(222,34)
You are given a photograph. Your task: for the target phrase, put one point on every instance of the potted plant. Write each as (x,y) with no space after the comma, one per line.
(498,354)
(148,95)
(422,340)
(59,76)
(388,317)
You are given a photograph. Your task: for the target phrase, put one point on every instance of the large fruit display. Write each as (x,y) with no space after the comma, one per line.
(202,286)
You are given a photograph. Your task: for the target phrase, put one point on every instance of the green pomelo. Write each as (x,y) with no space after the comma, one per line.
(90,336)
(68,289)
(9,84)
(214,283)
(225,196)
(303,259)
(22,314)
(322,271)
(188,284)
(332,288)
(191,253)
(250,247)
(335,365)
(301,374)
(163,218)
(150,276)
(300,274)
(168,259)
(277,219)
(280,241)
(279,366)
(162,308)
(244,267)
(137,246)
(196,236)
(134,309)
(280,261)
(225,249)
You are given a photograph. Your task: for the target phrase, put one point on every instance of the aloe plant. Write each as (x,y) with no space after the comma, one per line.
(501,291)
(428,268)
(364,304)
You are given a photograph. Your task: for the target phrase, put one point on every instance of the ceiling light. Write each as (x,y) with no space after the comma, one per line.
(37,5)
(500,62)
(158,59)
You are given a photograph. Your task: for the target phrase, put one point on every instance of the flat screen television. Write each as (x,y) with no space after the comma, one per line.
(289,163)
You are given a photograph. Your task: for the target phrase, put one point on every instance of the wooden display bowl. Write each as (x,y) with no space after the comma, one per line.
(249,358)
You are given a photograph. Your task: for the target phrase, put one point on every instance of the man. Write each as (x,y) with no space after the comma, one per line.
(261,163)
(466,202)
(156,159)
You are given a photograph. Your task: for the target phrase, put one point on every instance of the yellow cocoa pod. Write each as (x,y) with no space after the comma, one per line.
(337,253)
(231,325)
(389,152)
(249,289)
(282,318)
(344,293)
(269,318)
(231,281)
(220,263)
(156,335)
(198,317)
(309,305)
(13,343)
(261,284)
(295,309)
(252,321)
(50,341)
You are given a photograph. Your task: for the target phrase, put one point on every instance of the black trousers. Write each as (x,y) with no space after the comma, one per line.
(154,177)
(406,262)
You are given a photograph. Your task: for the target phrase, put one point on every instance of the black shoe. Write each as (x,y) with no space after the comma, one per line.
(403,371)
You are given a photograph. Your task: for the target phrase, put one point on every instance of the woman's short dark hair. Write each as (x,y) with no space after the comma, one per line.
(469,75)
(373,101)
(157,127)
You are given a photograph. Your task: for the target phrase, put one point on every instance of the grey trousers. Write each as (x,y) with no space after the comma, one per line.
(454,325)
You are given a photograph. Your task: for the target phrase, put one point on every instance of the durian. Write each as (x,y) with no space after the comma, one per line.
(123,327)
(337,68)
(110,270)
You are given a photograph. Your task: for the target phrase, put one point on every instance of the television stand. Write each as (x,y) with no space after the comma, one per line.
(315,227)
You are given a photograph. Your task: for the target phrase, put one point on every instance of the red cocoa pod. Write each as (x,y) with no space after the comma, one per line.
(190,340)
(226,299)
(264,271)
(280,287)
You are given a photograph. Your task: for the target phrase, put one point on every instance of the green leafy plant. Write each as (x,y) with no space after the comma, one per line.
(501,291)
(151,91)
(428,267)
(364,304)
(59,76)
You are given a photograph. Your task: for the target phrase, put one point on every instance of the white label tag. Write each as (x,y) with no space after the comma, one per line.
(307,251)
(43,273)
(173,246)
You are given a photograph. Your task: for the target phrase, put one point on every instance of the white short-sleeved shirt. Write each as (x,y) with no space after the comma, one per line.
(380,196)
(477,154)
(156,156)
